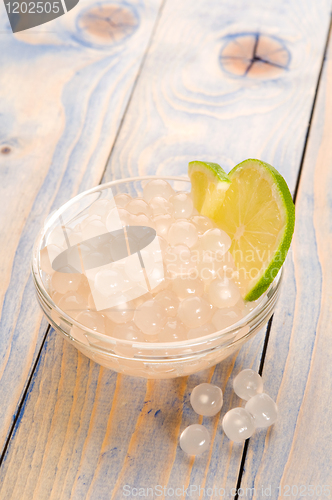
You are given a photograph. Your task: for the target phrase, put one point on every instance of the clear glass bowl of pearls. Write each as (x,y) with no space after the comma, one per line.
(138,281)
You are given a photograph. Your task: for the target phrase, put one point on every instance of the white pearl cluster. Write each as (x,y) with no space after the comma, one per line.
(196,295)
(238,423)
(206,400)
(260,410)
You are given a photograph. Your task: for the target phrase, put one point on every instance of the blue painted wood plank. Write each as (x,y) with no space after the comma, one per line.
(64,89)
(296,452)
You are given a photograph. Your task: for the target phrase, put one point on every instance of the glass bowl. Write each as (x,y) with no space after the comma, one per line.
(153,359)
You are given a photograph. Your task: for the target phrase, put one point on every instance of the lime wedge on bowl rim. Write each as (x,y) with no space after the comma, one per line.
(258,213)
(209,183)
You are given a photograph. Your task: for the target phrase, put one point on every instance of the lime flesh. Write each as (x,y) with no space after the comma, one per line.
(258,214)
(209,183)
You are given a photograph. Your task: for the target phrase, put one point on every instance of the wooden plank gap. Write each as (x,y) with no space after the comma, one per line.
(267,336)
(246,444)
(312,110)
(23,398)
(134,87)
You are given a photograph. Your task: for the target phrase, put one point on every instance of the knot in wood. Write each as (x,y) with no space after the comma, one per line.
(254,55)
(109,23)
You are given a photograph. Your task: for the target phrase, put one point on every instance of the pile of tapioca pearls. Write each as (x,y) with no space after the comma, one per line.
(239,423)
(198,295)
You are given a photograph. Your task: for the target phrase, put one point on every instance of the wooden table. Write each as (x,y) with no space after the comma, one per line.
(115,89)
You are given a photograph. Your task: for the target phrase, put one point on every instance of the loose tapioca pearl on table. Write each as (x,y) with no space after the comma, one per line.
(173,331)
(183,205)
(224,293)
(64,282)
(169,301)
(150,317)
(182,232)
(202,223)
(247,384)
(185,287)
(195,439)
(263,409)
(238,425)
(206,399)
(92,320)
(201,331)
(215,240)
(139,206)
(160,206)
(157,187)
(122,199)
(194,312)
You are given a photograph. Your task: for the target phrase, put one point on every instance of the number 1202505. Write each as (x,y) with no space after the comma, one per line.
(33,7)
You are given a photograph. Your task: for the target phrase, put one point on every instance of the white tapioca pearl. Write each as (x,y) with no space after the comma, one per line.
(157,187)
(139,206)
(173,331)
(263,410)
(247,384)
(206,399)
(202,223)
(224,293)
(182,232)
(150,317)
(216,240)
(93,320)
(160,206)
(194,312)
(238,425)
(195,439)
(185,287)
(169,301)
(122,199)
(183,205)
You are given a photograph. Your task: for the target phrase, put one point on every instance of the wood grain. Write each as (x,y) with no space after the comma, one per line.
(297,369)
(84,432)
(64,91)
(187,106)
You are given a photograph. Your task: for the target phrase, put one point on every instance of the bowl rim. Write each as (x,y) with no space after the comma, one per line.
(234,329)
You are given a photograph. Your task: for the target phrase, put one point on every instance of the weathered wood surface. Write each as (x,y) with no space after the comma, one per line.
(297,369)
(84,432)
(64,90)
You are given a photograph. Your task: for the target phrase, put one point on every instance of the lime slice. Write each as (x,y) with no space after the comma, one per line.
(209,183)
(258,214)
